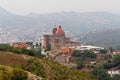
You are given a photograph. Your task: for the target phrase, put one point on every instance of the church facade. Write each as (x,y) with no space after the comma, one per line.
(58,40)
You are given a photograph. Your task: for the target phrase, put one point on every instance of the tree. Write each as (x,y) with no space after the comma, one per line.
(112,63)
(116,59)
(108,65)
(48,47)
(101,74)
(79,64)
(37,52)
(76,53)
(103,51)
(40,44)
(89,54)
(116,77)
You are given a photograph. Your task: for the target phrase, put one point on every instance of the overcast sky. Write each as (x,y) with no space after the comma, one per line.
(24,7)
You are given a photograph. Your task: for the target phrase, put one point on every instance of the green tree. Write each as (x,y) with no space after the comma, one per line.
(79,64)
(89,54)
(116,59)
(116,77)
(48,47)
(40,44)
(112,63)
(103,51)
(76,53)
(37,52)
(108,65)
(101,74)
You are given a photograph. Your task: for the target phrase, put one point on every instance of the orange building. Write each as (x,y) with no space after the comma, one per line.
(21,45)
(67,51)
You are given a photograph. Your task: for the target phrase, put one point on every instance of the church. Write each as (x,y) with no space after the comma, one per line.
(58,40)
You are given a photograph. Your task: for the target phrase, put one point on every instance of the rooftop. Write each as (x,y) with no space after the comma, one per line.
(60,32)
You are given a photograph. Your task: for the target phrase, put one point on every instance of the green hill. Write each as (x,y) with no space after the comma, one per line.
(41,67)
(104,38)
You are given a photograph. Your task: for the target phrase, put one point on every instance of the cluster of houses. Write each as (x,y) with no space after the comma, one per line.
(26,45)
(67,51)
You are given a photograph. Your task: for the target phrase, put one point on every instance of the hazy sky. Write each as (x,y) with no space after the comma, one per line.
(48,6)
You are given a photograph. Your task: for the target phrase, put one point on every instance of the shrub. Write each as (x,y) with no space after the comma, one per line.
(79,64)
(4,73)
(101,73)
(19,74)
(76,53)
(34,66)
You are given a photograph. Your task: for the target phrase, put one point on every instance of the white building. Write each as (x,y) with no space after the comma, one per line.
(113,72)
(88,47)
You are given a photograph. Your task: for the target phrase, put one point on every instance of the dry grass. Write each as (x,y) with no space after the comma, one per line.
(11,59)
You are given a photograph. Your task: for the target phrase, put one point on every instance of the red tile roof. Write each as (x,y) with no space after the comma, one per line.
(60,31)
(20,45)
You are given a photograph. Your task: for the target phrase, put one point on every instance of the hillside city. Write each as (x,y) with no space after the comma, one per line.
(34,47)
(55,45)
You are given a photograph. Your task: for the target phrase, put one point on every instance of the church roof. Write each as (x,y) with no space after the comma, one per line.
(60,31)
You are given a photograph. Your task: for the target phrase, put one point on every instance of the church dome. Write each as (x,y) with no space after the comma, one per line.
(60,32)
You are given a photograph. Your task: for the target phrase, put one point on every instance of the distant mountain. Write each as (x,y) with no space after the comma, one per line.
(104,38)
(8,19)
(3,11)
(71,21)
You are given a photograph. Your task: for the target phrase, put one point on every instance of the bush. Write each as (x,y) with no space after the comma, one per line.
(19,74)
(101,74)
(76,53)
(5,47)
(79,64)
(34,66)
(12,74)
(4,73)
(37,52)
(114,62)
(116,77)
(103,51)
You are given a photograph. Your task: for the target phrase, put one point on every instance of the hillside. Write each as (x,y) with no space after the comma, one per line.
(104,38)
(42,67)
(13,73)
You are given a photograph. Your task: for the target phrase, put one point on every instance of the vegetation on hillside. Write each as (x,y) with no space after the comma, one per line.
(112,63)
(6,47)
(52,70)
(101,73)
(7,73)
(82,56)
(49,69)
(105,38)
